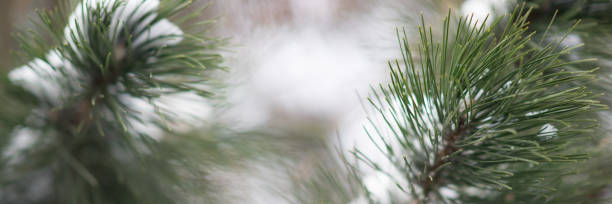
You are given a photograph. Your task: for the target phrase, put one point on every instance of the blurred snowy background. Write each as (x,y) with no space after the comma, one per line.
(297,68)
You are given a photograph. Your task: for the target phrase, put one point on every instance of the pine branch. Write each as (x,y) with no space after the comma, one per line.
(479,108)
(100,59)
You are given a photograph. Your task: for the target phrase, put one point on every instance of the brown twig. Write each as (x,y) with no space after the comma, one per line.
(74,119)
(442,156)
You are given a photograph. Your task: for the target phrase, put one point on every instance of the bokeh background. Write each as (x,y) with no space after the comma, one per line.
(299,71)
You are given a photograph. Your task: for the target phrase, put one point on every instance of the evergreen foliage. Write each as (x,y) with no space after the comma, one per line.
(83,141)
(501,112)
(482,113)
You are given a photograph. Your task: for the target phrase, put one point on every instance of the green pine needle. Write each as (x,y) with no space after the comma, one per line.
(480,109)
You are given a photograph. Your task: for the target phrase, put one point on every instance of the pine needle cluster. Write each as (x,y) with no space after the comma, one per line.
(482,114)
(92,69)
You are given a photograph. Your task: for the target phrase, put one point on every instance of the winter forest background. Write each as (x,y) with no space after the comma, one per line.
(294,95)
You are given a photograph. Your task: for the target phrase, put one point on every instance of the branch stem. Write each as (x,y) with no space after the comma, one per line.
(433,173)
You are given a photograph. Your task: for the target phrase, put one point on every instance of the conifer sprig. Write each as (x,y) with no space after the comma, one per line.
(480,109)
(92,69)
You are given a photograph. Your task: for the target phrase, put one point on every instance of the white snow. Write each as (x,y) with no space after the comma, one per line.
(53,78)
